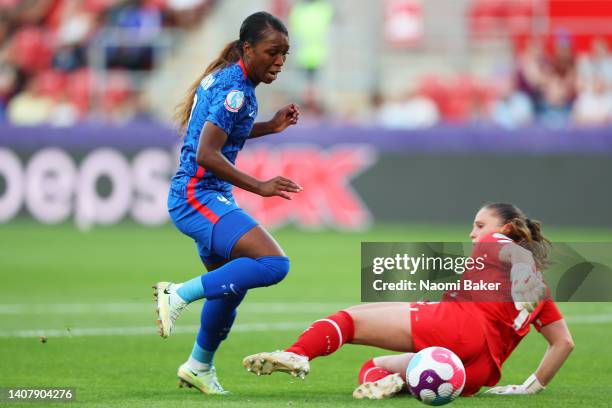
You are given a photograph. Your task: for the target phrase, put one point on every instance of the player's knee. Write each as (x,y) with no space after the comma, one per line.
(277,268)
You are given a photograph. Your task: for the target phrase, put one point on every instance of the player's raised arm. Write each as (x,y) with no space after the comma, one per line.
(285,117)
(527,286)
(209,156)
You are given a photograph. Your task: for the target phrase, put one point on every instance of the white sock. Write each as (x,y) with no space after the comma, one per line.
(197,366)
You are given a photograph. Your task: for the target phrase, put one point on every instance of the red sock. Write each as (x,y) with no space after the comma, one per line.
(370,373)
(324,336)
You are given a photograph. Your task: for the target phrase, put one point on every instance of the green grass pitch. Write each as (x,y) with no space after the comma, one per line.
(90,294)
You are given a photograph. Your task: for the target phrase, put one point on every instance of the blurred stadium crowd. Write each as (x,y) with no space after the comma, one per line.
(65,61)
(559,72)
(553,88)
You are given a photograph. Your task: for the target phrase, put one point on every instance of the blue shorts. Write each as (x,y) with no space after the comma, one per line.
(213,220)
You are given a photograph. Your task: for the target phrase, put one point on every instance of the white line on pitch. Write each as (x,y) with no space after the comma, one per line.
(238,328)
(142,307)
(589,319)
(136,308)
(132,331)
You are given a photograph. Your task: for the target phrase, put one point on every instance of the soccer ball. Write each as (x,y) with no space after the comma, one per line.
(435,376)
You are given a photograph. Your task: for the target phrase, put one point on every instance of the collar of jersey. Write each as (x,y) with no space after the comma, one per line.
(240,63)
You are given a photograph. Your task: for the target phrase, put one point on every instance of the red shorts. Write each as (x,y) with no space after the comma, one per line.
(449,325)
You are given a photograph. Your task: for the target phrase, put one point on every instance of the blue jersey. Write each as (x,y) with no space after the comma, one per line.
(225,98)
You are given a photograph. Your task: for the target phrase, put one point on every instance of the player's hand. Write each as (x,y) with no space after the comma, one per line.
(285,117)
(278,186)
(508,390)
(528,287)
(531,386)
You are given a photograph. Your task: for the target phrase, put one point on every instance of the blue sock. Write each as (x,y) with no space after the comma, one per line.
(191,290)
(202,355)
(237,276)
(216,322)
(225,287)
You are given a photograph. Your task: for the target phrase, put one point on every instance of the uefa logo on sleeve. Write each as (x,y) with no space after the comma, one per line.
(234,100)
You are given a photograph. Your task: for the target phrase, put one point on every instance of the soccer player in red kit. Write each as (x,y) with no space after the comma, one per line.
(481,328)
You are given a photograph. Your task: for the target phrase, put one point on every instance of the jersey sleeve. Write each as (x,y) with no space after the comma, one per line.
(548,314)
(490,245)
(225,107)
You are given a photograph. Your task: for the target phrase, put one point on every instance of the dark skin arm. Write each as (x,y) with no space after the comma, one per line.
(285,117)
(210,157)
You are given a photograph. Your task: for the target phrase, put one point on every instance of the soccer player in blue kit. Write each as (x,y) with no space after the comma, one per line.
(219,116)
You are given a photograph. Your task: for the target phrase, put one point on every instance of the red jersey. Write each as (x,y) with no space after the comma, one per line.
(503,324)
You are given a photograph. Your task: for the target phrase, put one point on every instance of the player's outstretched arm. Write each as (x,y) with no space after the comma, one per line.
(560,345)
(210,157)
(285,117)
(528,289)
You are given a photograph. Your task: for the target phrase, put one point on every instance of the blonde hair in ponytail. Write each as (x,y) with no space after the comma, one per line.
(230,54)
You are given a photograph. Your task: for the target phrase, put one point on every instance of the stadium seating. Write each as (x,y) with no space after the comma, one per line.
(60,70)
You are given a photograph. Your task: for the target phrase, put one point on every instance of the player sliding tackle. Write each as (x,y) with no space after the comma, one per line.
(481,331)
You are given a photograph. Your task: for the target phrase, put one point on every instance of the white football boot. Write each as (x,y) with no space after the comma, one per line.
(169,306)
(283,361)
(204,381)
(383,388)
